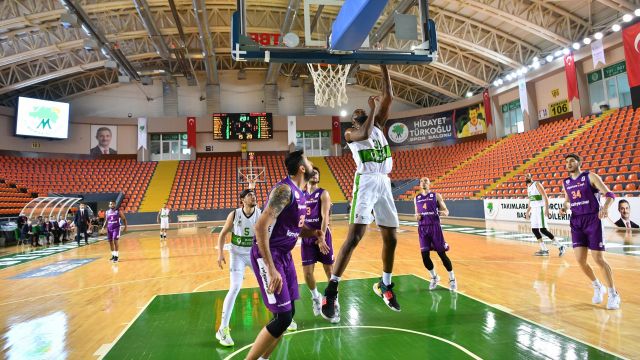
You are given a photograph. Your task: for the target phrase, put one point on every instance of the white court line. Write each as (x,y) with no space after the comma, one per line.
(209,282)
(460,229)
(107,347)
(457,346)
(537,324)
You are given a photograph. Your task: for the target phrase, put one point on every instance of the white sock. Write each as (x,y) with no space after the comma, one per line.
(543,247)
(334,278)
(451,275)
(433,272)
(612,291)
(596,283)
(113,253)
(315,293)
(386,278)
(117,253)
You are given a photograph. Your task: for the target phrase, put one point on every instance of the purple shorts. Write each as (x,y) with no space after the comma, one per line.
(311,251)
(587,231)
(113,234)
(276,303)
(431,238)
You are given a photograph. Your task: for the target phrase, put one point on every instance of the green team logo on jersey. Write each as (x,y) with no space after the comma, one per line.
(398,133)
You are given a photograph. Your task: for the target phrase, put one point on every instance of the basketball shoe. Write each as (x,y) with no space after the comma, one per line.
(387,295)
(224,336)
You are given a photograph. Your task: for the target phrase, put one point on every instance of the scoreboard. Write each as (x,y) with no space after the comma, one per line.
(242,126)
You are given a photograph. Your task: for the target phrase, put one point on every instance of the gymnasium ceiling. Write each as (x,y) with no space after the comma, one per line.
(479,40)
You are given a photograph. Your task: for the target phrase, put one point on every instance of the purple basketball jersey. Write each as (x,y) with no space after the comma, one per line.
(427,206)
(286,230)
(313,220)
(584,198)
(113,219)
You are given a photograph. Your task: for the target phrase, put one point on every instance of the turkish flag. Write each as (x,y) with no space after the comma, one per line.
(335,129)
(487,106)
(631,40)
(572,79)
(191,131)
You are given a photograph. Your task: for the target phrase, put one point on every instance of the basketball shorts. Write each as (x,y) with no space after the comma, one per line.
(276,302)
(164,223)
(587,231)
(311,253)
(239,258)
(113,233)
(538,220)
(372,193)
(431,238)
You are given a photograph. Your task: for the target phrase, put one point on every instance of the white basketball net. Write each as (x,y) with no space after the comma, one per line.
(330,84)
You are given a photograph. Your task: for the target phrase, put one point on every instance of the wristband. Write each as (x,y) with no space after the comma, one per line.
(610,195)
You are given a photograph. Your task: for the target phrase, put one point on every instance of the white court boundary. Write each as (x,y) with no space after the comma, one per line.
(104,349)
(457,346)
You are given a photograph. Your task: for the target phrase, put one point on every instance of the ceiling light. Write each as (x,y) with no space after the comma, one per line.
(576,45)
(597,35)
(557,53)
(616,27)
(469,94)
(627,17)
(535,59)
(343,113)
(536,65)
(566,51)
(549,58)
(587,41)
(509,77)
(637,12)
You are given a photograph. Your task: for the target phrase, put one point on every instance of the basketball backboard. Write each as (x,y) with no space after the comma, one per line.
(335,32)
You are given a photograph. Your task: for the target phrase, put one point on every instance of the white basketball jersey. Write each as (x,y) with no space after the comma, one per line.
(372,156)
(243,230)
(535,197)
(164,213)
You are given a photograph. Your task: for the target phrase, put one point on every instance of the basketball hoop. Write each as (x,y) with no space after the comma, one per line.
(330,82)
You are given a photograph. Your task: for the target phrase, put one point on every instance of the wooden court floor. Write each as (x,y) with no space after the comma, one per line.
(79,312)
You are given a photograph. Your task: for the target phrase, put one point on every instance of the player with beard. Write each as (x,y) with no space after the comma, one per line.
(582,196)
(276,234)
(241,223)
(538,212)
(313,250)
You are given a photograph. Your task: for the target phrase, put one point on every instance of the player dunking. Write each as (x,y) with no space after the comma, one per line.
(241,223)
(538,212)
(429,207)
(583,199)
(276,233)
(112,223)
(315,250)
(163,219)
(371,192)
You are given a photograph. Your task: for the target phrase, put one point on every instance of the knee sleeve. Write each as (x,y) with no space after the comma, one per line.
(547,233)
(279,324)
(426,260)
(536,232)
(445,261)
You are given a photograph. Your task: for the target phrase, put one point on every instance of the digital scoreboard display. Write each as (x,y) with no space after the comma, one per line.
(243,126)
